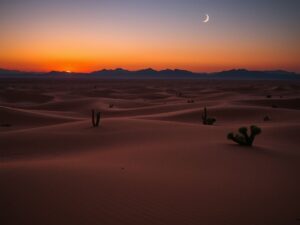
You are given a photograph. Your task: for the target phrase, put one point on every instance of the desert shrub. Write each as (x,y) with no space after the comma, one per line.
(243,138)
(207,120)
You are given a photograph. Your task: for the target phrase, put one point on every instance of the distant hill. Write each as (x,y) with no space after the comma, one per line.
(255,75)
(16,73)
(9,72)
(238,74)
(146,74)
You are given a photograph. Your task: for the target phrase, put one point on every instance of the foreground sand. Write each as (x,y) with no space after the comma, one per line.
(151,161)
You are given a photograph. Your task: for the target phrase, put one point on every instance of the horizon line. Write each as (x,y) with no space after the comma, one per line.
(150,68)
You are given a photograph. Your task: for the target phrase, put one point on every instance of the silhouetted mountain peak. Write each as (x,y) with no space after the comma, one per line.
(120,70)
(148,70)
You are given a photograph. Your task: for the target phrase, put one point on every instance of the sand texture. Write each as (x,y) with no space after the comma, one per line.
(151,161)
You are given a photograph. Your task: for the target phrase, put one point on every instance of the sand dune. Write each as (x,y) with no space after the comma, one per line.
(20,118)
(24,96)
(151,161)
(231,114)
(288,103)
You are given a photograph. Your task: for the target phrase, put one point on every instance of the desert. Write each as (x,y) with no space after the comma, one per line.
(151,160)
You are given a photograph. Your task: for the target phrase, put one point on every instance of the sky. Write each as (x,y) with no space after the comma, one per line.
(88,35)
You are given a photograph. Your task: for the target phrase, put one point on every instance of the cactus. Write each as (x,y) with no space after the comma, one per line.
(95,118)
(207,120)
(243,138)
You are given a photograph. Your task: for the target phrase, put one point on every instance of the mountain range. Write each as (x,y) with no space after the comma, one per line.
(236,74)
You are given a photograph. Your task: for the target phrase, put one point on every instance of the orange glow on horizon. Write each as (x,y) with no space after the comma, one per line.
(86,54)
(198,59)
(45,56)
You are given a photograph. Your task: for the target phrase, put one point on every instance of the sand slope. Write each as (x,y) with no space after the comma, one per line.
(151,161)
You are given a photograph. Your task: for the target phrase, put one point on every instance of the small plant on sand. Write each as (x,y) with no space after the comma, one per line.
(190,101)
(95,118)
(269,96)
(242,138)
(267,118)
(207,120)
(111,105)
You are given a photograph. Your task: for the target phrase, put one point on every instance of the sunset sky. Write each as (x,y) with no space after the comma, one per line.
(87,35)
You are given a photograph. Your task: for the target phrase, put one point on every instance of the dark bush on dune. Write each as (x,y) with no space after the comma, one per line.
(111,105)
(190,101)
(242,138)
(207,120)
(267,118)
(95,118)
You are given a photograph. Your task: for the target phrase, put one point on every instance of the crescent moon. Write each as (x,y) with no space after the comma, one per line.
(206,19)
